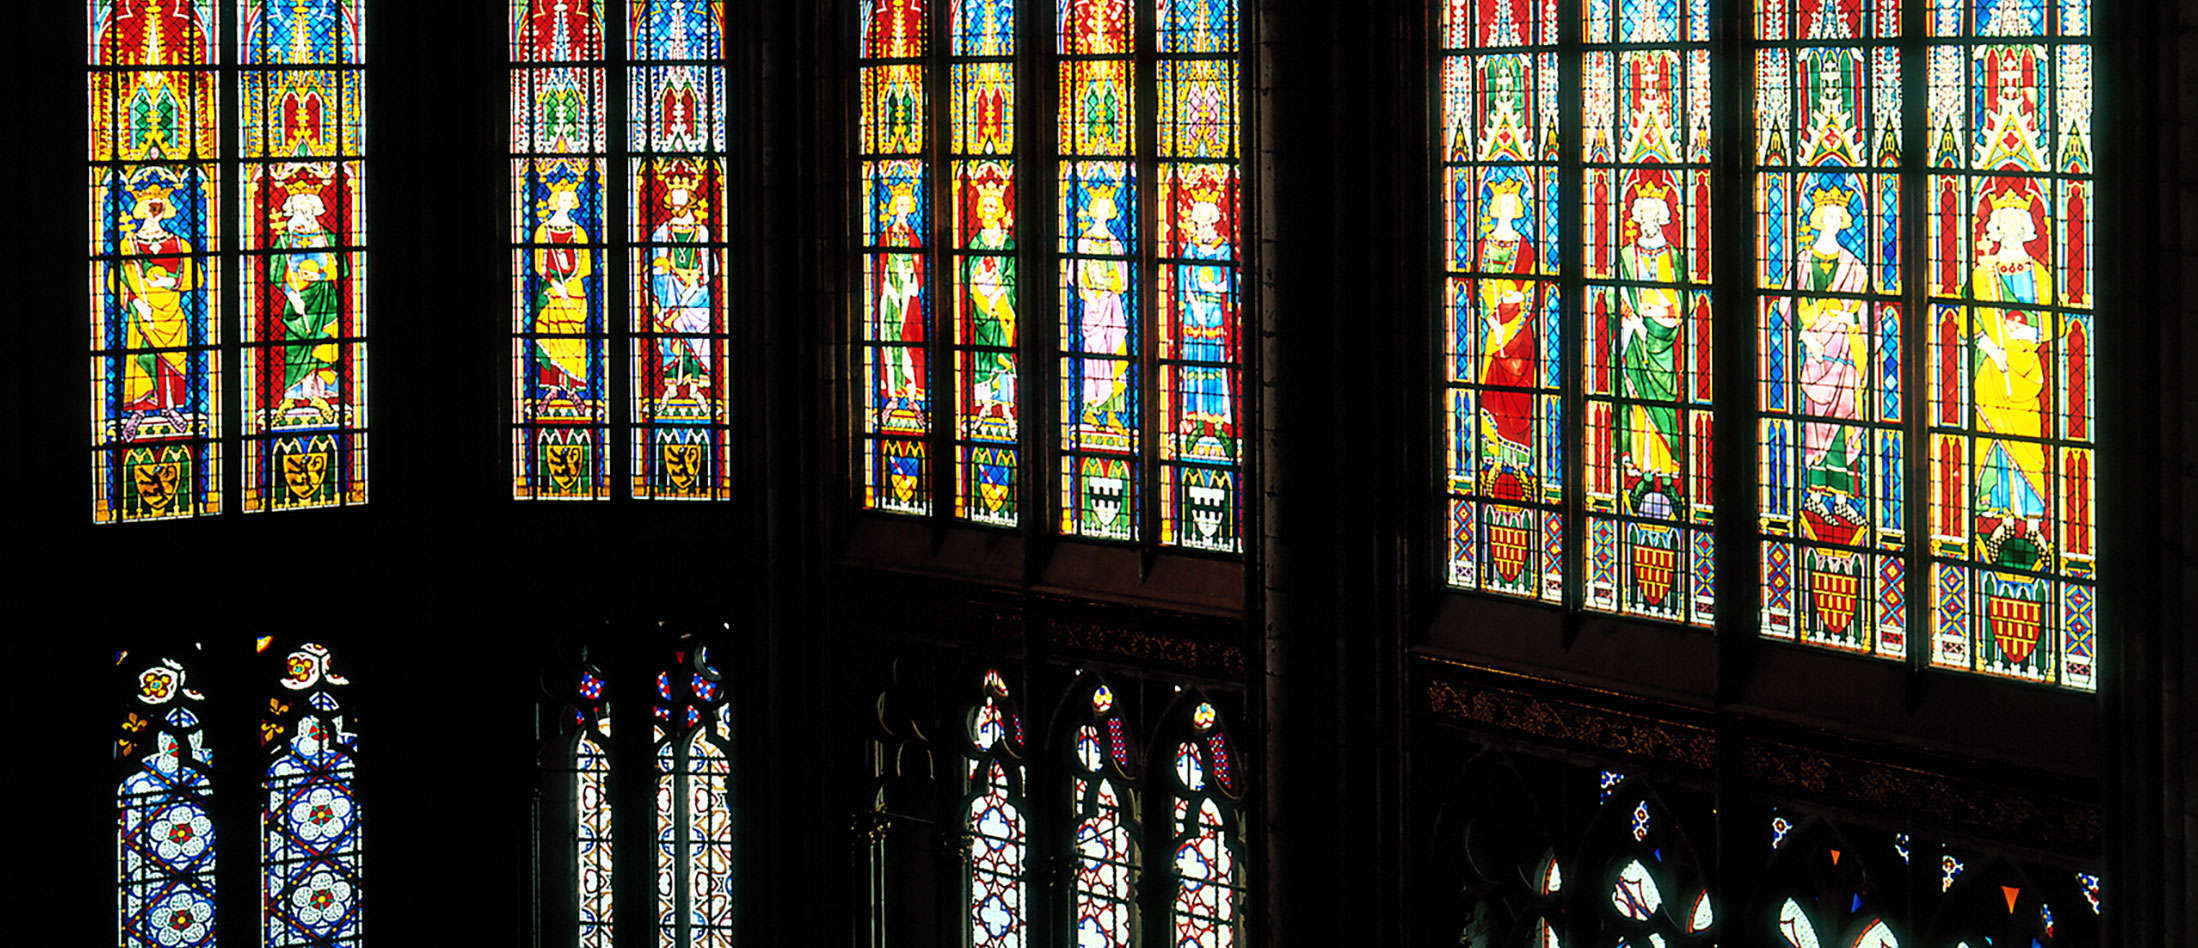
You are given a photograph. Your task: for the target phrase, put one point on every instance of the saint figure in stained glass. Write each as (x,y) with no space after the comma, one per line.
(1647,329)
(160,287)
(679,275)
(563,271)
(2010,376)
(1835,362)
(1510,301)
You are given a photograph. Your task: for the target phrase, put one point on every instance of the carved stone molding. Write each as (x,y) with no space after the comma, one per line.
(1574,724)
(1181,649)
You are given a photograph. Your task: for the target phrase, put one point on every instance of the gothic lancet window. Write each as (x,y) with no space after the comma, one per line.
(1105,863)
(1147,358)
(599,216)
(995,821)
(2012,415)
(165,268)
(1645,207)
(1831,340)
(309,853)
(894,138)
(166,841)
(584,745)
(694,816)
(1206,908)
(1503,406)
(1650,888)
(311,874)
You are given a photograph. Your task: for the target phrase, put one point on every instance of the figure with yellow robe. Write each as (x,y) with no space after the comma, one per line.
(1648,334)
(157,279)
(562,264)
(2010,380)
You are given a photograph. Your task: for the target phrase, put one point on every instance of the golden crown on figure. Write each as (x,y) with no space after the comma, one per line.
(1830,196)
(1511,186)
(152,189)
(2011,198)
(1652,191)
(682,174)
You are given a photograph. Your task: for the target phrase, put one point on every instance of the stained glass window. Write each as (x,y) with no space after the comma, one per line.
(590,728)
(677,204)
(165,830)
(1197,214)
(1196,297)
(1101,332)
(1837,885)
(1645,209)
(1503,407)
(987,290)
(310,845)
(568,206)
(2012,415)
(1105,863)
(560,389)
(157,265)
(694,817)
(1206,909)
(162,270)
(1653,888)
(998,829)
(895,176)
(304,329)
(1830,344)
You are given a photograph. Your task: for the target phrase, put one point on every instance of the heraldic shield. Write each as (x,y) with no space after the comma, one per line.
(159,479)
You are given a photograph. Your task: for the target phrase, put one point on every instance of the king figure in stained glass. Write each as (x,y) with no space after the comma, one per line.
(1647,327)
(1208,285)
(680,277)
(159,292)
(992,299)
(306,282)
(1835,342)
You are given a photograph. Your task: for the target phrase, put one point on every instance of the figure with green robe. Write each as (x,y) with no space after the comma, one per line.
(304,276)
(1648,332)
